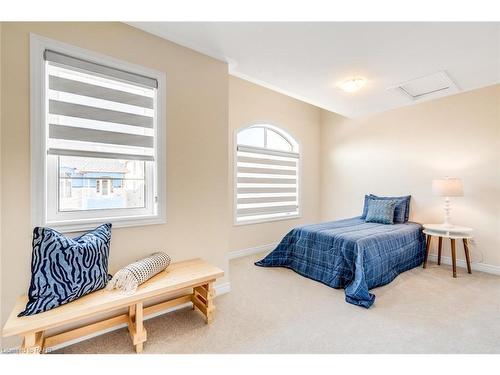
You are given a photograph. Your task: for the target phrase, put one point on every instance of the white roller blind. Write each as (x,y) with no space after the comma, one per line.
(266,184)
(99,69)
(99,111)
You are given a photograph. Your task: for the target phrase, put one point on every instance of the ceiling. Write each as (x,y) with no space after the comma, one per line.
(307,60)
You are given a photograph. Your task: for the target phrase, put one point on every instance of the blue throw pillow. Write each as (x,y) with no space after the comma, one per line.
(64,269)
(381,211)
(365,206)
(401,212)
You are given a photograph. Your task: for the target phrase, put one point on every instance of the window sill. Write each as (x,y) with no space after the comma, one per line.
(261,221)
(87,225)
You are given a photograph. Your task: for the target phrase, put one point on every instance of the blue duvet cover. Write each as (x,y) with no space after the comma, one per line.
(350,254)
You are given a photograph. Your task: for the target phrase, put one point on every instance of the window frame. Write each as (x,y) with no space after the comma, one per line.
(285,134)
(43,167)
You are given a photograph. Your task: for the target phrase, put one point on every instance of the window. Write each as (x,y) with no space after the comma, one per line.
(97,139)
(267,175)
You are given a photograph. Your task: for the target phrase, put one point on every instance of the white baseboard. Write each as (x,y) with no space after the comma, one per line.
(482,267)
(220,289)
(223,288)
(252,250)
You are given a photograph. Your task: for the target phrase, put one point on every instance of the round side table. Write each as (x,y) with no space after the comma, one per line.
(454,233)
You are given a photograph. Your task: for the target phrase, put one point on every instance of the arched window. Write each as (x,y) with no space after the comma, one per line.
(267,175)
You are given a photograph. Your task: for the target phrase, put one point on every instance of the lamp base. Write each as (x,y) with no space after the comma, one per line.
(447,214)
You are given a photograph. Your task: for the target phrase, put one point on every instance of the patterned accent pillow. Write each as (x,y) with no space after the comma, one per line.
(401,212)
(381,211)
(130,277)
(64,269)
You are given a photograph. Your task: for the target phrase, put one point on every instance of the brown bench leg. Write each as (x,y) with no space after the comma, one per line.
(203,300)
(136,327)
(32,343)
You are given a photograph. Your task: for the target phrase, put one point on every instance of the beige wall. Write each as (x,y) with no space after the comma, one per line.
(400,152)
(250,103)
(197,118)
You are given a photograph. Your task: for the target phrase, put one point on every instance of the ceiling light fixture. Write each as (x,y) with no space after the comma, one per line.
(353,84)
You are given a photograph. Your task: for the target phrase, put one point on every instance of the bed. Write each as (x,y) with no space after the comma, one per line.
(350,254)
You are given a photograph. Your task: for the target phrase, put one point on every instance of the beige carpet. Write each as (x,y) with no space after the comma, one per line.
(274,310)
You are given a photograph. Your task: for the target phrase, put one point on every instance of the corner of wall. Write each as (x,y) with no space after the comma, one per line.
(328,122)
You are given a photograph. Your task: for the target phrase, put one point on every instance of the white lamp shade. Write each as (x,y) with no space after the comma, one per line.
(448,187)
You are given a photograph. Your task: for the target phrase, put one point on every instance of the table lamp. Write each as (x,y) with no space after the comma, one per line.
(447,187)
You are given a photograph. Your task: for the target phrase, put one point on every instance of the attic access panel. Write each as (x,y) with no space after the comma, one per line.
(432,85)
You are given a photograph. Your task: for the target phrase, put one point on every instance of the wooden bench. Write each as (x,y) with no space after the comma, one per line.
(193,280)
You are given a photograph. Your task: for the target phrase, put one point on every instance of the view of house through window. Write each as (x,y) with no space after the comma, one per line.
(100,122)
(93,183)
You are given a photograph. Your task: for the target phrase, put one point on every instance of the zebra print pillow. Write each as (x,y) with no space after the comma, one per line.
(64,269)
